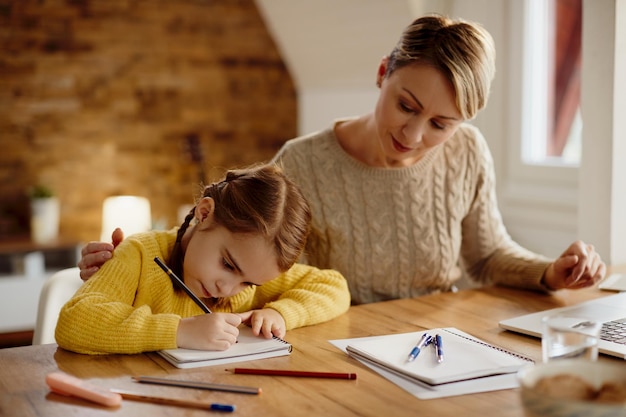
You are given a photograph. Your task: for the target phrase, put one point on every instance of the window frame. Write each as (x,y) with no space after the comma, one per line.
(552,180)
(538,202)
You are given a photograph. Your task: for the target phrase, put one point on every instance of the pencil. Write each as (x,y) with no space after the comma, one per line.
(283,372)
(196,384)
(127,395)
(179,282)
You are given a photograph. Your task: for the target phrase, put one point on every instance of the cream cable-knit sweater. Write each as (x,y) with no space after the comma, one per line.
(130,306)
(404,232)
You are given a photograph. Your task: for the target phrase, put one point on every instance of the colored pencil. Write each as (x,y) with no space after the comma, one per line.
(127,395)
(283,372)
(197,384)
(180,284)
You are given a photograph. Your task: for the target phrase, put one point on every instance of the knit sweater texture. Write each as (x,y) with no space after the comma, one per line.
(404,232)
(131,306)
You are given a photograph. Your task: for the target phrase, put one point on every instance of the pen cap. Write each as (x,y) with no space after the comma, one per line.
(425,341)
(228,408)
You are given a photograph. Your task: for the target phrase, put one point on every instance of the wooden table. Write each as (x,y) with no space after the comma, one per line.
(23,391)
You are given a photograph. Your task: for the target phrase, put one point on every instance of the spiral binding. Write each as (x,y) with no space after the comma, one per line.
(498,348)
(283,341)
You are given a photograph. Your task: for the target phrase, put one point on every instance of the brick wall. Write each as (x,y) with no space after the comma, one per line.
(101,97)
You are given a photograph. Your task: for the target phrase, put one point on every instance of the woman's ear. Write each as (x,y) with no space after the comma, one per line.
(382,70)
(204,210)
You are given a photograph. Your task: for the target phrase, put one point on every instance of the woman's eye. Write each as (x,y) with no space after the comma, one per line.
(405,108)
(437,125)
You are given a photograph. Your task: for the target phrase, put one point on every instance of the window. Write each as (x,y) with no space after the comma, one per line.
(552,56)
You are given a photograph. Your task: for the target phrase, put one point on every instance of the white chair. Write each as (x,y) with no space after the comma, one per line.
(56,291)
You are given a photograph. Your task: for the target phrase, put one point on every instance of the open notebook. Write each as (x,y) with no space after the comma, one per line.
(248,347)
(465,357)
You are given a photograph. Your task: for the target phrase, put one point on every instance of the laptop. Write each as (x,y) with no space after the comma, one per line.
(611,310)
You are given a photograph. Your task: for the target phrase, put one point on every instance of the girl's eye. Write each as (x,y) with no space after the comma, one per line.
(227,264)
(247,284)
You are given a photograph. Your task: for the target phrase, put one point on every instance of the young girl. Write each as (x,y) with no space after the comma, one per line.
(238,257)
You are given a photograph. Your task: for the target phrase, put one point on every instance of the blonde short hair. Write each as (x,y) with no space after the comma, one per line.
(463,51)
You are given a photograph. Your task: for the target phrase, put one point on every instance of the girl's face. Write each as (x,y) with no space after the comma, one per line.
(416,111)
(219,263)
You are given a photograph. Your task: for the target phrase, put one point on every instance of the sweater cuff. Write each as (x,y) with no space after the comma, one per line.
(536,275)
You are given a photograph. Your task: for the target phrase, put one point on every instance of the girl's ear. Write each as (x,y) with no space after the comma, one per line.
(204,210)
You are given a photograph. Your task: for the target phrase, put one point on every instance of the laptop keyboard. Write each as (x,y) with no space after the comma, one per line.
(614,331)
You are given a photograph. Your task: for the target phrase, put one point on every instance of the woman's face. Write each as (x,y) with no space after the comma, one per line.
(416,111)
(219,263)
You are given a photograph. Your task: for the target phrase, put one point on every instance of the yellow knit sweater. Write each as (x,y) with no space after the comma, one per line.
(130,305)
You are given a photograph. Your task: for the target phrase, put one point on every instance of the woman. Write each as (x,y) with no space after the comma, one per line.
(403,198)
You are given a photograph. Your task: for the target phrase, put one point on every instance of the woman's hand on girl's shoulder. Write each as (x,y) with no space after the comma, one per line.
(95,254)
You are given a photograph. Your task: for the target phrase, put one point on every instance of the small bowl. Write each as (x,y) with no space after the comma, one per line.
(539,404)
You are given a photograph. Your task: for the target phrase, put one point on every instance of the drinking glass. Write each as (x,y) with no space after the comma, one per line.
(569,337)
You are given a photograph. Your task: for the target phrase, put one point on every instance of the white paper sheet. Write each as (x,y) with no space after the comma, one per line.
(426,392)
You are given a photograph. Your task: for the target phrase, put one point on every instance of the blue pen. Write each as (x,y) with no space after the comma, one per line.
(439,348)
(424,341)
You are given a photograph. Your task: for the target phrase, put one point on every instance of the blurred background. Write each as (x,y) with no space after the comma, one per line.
(145,98)
(148,99)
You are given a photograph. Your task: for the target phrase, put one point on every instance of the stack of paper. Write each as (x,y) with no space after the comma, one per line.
(470,364)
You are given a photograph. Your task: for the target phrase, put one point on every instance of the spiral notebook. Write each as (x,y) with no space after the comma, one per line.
(465,356)
(248,347)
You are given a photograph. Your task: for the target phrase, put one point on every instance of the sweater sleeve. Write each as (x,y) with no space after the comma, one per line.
(101,317)
(489,253)
(304,295)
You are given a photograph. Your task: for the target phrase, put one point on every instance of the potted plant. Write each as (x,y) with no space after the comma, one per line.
(44,218)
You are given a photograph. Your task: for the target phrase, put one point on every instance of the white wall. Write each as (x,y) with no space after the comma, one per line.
(332,48)
(602,197)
